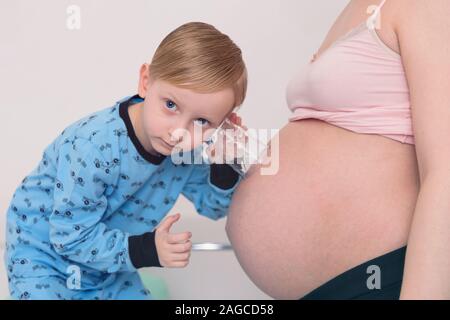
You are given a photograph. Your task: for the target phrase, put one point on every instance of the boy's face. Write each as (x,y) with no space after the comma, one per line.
(176,116)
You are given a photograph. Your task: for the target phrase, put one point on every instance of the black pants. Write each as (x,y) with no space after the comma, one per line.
(353,284)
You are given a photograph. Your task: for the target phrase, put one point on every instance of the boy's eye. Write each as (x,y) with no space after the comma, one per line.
(202,121)
(170,105)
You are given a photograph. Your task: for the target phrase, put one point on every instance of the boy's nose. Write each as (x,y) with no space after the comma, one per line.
(176,135)
(175,139)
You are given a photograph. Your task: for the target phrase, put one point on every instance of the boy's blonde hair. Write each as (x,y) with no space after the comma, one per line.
(197,56)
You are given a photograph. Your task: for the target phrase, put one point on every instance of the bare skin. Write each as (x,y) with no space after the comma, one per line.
(347,197)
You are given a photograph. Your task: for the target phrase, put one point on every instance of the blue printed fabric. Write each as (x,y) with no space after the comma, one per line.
(94,188)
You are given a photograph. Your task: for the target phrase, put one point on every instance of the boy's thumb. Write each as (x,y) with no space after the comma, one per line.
(168,222)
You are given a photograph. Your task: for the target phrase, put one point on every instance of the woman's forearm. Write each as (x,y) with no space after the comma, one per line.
(427,264)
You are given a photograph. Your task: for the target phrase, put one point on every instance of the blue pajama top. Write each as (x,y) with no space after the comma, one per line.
(96,197)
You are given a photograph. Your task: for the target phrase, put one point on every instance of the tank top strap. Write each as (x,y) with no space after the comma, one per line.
(372,20)
(381,4)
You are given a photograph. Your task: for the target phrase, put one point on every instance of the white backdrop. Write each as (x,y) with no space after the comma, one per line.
(51,75)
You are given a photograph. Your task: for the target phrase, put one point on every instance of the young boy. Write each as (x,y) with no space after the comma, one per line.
(82,223)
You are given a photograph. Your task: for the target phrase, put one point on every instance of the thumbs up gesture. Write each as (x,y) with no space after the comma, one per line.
(174,249)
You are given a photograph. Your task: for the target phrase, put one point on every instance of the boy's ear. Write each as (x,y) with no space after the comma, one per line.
(144,80)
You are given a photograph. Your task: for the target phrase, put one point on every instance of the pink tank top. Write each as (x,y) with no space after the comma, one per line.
(358,83)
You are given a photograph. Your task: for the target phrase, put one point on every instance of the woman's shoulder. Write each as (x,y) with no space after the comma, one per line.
(412,15)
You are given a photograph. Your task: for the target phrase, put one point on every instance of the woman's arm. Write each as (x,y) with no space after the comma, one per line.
(423,30)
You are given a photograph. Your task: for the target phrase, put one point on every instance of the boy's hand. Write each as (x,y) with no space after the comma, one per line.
(234,118)
(220,151)
(174,250)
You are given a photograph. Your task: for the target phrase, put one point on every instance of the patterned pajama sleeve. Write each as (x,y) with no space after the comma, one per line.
(76,229)
(210,188)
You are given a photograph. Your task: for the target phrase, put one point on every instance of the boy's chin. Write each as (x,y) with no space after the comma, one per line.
(167,150)
(161,147)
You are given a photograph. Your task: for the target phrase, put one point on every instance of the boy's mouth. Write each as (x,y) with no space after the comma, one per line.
(167,144)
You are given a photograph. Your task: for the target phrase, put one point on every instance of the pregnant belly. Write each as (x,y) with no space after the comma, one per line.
(338,200)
